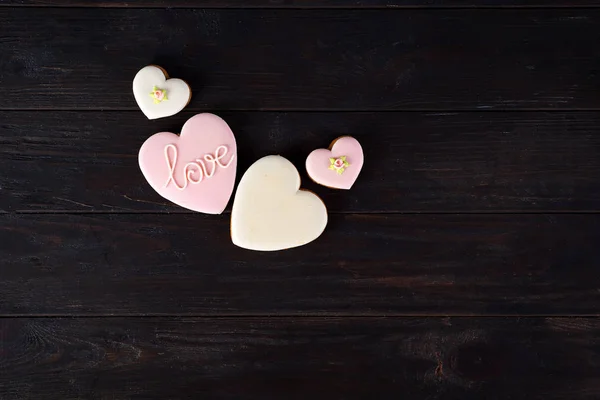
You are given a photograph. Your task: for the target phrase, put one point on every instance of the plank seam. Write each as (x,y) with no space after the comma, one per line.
(340,8)
(294,316)
(322,110)
(410,212)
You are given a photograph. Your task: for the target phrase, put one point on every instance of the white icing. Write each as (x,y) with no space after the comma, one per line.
(178,93)
(270,212)
(195,167)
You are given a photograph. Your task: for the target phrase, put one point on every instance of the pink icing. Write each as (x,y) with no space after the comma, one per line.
(338,163)
(196,169)
(318,163)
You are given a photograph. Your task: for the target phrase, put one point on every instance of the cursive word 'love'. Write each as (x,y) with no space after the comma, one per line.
(195,168)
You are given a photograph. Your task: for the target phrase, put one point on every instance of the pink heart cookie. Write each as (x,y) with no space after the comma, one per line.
(196,169)
(337,167)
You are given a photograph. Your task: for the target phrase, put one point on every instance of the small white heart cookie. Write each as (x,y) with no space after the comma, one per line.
(271,212)
(157,95)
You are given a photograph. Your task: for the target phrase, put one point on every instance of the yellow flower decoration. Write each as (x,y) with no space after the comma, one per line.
(158,95)
(338,164)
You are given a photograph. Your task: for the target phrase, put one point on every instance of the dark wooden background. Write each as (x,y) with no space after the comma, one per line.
(464,263)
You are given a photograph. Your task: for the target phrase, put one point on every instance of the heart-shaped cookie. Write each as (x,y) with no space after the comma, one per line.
(195,170)
(337,167)
(271,212)
(156,95)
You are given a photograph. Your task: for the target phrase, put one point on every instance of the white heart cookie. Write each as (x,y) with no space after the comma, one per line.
(271,212)
(156,95)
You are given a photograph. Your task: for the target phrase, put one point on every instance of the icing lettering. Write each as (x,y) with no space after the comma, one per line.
(196,167)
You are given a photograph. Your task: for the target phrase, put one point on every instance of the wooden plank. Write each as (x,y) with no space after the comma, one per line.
(416,162)
(321,4)
(85,59)
(362,265)
(300,358)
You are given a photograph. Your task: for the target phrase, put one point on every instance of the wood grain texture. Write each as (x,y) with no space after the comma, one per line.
(362,265)
(161,305)
(291,358)
(85,59)
(415,162)
(301,4)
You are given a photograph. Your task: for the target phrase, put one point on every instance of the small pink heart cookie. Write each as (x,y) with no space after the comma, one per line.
(196,169)
(337,167)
